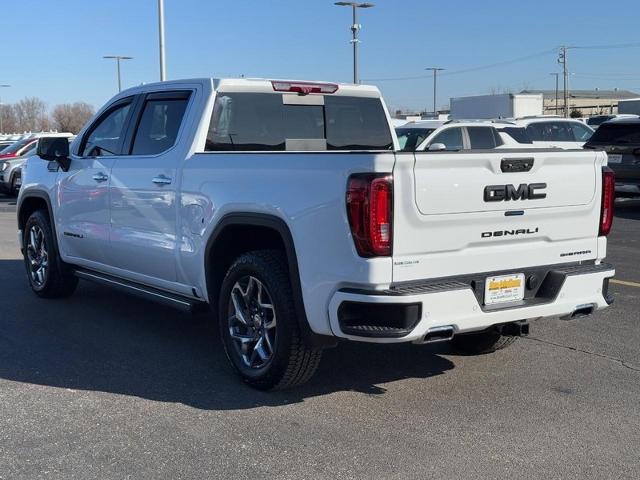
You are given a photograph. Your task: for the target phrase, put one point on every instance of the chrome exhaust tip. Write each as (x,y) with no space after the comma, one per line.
(439,334)
(581,311)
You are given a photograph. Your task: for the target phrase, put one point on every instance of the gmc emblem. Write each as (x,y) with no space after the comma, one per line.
(505,193)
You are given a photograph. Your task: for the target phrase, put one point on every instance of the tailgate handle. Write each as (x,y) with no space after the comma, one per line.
(508,165)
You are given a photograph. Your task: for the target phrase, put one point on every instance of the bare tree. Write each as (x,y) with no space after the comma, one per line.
(71,117)
(9,119)
(31,114)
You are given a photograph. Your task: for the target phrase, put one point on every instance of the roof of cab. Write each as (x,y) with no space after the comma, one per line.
(255,85)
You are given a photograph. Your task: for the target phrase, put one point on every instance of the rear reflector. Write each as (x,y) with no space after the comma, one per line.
(304,88)
(608,198)
(370,212)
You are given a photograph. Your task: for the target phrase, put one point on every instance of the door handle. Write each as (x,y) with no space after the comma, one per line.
(100,177)
(161,180)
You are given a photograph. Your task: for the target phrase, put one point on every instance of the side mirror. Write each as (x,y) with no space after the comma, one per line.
(55,149)
(437,147)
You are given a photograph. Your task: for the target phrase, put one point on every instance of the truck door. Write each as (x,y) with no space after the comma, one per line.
(143,190)
(82,218)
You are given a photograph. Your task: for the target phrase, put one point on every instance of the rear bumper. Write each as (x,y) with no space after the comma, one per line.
(454,303)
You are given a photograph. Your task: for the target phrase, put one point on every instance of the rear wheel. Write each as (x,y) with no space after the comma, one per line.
(479,343)
(48,276)
(258,324)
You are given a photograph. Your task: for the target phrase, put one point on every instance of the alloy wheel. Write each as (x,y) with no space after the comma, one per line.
(38,256)
(252,322)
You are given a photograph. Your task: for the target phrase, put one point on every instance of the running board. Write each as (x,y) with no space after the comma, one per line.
(184,304)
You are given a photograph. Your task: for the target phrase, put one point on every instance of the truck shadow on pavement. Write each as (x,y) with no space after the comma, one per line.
(102,340)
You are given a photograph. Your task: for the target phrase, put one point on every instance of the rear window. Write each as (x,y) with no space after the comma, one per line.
(410,138)
(262,122)
(483,138)
(617,134)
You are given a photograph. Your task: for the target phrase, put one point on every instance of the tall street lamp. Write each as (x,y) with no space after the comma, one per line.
(435,71)
(163,68)
(2,109)
(355,28)
(118,58)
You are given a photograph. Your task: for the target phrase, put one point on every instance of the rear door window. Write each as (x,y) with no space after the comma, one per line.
(550,132)
(451,138)
(261,121)
(159,125)
(483,138)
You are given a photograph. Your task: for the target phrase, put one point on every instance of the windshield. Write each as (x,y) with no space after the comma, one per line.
(17,146)
(410,138)
(617,134)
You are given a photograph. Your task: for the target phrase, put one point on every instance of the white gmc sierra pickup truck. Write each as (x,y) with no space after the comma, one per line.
(287,207)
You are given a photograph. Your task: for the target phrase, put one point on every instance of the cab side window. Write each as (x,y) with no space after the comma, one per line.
(451,138)
(159,125)
(105,136)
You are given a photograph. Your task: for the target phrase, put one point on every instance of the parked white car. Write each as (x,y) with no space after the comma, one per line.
(460,135)
(555,132)
(286,208)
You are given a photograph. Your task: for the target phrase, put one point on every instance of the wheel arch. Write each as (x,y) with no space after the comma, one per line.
(238,233)
(32,201)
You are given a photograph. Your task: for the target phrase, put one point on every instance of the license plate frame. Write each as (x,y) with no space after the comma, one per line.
(503,289)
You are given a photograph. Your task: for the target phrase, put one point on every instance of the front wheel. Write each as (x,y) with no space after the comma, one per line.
(478,343)
(258,323)
(48,276)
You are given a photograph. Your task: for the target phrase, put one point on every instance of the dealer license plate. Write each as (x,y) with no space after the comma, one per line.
(504,289)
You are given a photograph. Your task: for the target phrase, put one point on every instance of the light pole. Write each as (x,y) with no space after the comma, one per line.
(562,59)
(435,71)
(163,69)
(355,28)
(118,58)
(556,74)
(2,109)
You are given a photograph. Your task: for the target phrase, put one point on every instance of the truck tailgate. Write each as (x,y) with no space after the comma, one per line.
(459,213)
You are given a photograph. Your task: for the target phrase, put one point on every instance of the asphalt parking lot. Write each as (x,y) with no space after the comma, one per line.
(107,386)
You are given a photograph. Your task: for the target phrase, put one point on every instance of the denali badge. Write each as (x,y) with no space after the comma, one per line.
(499,193)
(507,233)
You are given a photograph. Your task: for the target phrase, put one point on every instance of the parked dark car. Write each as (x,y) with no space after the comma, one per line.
(621,140)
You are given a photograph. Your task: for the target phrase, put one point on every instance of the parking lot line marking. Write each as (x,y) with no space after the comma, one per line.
(624,282)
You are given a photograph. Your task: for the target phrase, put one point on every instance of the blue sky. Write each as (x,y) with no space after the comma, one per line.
(53,49)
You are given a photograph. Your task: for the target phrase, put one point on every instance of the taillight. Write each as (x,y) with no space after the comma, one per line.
(608,198)
(303,88)
(370,212)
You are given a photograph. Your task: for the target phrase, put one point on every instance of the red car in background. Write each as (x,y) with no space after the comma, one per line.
(18,148)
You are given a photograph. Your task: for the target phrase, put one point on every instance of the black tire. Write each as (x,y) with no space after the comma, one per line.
(291,362)
(479,343)
(57,280)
